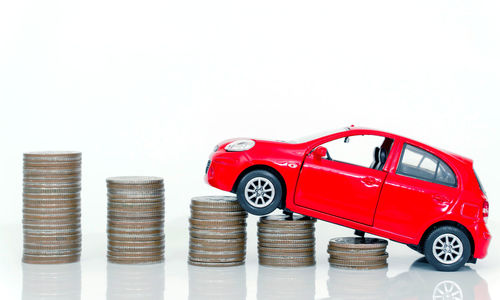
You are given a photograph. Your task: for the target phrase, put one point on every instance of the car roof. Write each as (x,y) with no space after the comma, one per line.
(452,155)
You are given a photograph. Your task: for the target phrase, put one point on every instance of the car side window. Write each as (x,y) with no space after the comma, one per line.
(359,150)
(420,164)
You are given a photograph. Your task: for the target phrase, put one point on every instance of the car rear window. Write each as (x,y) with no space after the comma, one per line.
(479,182)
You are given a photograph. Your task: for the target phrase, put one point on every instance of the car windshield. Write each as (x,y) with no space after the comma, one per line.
(317,135)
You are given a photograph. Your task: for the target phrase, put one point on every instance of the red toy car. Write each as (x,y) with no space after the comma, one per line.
(368,180)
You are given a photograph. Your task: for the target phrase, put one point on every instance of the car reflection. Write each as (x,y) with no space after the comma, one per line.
(286,283)
(51,282)
(135,281)
(422,281)
(218,283)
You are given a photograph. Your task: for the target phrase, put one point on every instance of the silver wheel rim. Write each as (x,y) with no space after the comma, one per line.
(447,289)
(447,248)
(259,192)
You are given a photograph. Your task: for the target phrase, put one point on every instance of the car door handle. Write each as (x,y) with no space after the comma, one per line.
(369,180)
(440,198)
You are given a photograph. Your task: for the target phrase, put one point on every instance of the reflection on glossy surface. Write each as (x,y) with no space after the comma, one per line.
(135,281)
(286,283)
(57,281)
(420,282)
(357,284)
(222,283)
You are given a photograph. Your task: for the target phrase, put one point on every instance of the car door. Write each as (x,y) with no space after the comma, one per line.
(339,188)
(422,188)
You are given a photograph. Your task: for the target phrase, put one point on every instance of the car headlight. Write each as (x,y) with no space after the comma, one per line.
(240,145)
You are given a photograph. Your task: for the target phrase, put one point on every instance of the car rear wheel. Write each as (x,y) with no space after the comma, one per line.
(447,248)
(259,192)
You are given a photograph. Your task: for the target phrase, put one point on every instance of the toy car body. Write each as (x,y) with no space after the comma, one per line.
(411,193)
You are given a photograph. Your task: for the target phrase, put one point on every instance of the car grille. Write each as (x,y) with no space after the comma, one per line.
(208,166)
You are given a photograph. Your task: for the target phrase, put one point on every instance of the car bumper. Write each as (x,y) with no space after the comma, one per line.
(222,170)
(482,240)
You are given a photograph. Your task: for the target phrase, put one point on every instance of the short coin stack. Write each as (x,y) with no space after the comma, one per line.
(358,253)
(286,241)
(51,207)
(217,232)
(136,211)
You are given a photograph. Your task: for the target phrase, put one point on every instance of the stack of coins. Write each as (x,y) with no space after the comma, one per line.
(51,207)
(136,210)
(217,232)
(358,253)
(286,241)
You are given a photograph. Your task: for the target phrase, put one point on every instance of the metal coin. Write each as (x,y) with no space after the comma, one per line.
(294,262)
(283,251)
(351,253)
(50,260)
(218,242)
(218,215)
(136,260)
(287,237)
(289,230)
(216,223)
(217,260)
(359,259)
(134,180)
(214,200)
(282,242)
(286,219)
(218,235)
(217,264)
(358,243)
(210,208)
(198,247)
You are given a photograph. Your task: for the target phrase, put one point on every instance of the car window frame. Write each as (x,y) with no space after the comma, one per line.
(359,134)
(439,161)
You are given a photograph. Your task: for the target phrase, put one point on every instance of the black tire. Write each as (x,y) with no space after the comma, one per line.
(416,248)
(271,204)
(438,234)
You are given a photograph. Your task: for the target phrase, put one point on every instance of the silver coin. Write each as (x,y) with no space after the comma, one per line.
(214,200)
(216,260)
(217,264)
(134,179)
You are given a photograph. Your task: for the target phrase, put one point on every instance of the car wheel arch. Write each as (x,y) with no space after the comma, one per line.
(447,223)
(265,168)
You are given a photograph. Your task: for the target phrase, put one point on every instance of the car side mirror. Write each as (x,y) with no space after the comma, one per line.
(319,152)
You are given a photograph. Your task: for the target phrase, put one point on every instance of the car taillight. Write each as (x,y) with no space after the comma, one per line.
(486,211)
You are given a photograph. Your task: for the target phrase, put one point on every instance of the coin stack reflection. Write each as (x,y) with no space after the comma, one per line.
(51,207)
(286,283)
(217,232)
(217,283)
(355,284)
(136,209)
(286,241)
(51,282)
(358,253)
(135,282)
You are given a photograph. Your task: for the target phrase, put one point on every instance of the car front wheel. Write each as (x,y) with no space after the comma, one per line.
(447,248)
(259,192)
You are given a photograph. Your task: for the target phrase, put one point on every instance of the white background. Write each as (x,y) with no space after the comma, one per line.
(149,88)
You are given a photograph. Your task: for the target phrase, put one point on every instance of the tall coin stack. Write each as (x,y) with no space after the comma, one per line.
(136,211)
(51,207)
(217,232)
(286,241)
(358,253)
